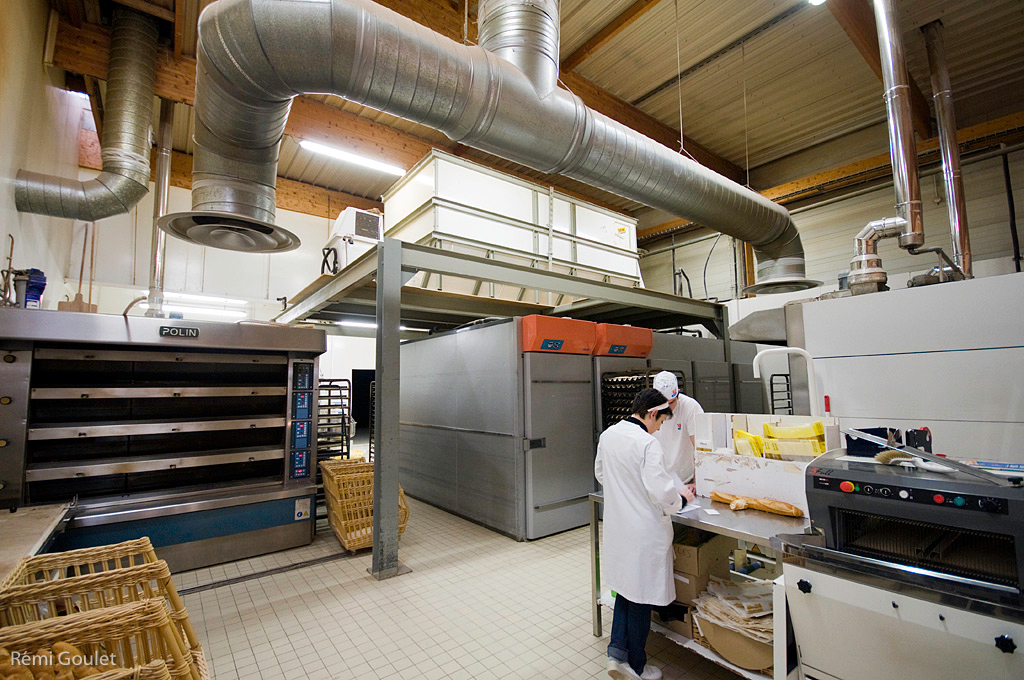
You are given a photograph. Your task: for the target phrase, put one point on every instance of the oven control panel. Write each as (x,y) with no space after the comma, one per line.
(301,431)
(951,499)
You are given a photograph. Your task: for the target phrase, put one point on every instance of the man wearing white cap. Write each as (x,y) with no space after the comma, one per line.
(677,438)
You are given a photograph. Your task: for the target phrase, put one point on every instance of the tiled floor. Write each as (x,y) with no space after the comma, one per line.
(476,605)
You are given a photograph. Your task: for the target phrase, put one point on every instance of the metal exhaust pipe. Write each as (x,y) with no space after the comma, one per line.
(956,201)
(126,130)
(866,272)
(249,68)
(162,186)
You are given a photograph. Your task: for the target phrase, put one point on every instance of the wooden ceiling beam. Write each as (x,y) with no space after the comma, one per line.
(612,29)
(291,195)
(858,21)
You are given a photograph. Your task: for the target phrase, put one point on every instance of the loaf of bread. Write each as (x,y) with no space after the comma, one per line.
(765,504)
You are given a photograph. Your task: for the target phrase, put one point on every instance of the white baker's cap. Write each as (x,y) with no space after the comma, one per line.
(665,382)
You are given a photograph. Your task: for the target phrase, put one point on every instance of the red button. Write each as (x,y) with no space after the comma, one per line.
(939,498)
(846,486)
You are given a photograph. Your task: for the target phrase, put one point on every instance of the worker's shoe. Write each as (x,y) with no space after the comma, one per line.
(620,670)
(650,673)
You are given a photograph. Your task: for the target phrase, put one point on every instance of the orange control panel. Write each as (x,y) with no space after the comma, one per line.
(614,340)
(559,335)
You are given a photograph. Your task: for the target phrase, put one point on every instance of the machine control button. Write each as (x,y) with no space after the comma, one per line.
(3,443)
(868,489)
(805,586)
(988,504)
(959,502)
(846,486)
(1005,644)
(885,491)
(5,400)
(10,358)
(904,494)
(939,498)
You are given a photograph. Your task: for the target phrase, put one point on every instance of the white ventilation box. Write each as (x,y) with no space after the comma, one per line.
(354,233)
(457,205)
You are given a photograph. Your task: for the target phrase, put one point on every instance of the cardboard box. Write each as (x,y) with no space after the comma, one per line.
(698,559)
(736,648)
(689,586)
(683,628)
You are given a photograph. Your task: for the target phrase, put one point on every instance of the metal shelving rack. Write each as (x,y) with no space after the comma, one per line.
(373,417)
(334,407)
(780,390)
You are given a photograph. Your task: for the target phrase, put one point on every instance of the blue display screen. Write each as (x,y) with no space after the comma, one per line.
(552,344)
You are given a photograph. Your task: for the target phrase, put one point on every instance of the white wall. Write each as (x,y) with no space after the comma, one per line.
(123,260)
(827,234)
(40,124)
(345,353)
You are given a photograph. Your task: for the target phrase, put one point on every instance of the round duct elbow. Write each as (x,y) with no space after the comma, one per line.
(229,232)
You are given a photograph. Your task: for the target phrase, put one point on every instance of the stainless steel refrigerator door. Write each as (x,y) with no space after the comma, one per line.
(559,426)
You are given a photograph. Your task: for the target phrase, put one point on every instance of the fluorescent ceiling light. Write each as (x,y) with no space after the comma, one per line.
(370,324)
(351,157)
(206,311)
(816,2)
(189,297)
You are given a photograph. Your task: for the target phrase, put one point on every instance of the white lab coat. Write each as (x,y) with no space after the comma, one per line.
(674,437)
(639,498)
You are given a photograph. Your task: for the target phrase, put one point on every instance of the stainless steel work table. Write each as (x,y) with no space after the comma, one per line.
(27,532)
(752,526)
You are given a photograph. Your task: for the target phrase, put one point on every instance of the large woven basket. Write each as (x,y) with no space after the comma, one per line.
(152,671)
(348,489)
(27,597)
(51,566)
(128,635)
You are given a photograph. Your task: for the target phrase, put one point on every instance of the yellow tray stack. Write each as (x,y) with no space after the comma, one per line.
(800,441)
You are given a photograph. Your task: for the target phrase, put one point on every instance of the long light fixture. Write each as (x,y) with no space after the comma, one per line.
(351,157)
(370,324)
(204,311)
(816,2)
(190,297)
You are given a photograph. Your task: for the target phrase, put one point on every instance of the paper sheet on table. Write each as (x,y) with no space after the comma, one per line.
(689,508)
(712,511)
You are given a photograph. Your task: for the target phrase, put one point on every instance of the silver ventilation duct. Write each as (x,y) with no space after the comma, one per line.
(254,56)
(956,201)
(126,126)
(866,273)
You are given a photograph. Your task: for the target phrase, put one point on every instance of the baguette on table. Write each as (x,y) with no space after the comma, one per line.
(765,504)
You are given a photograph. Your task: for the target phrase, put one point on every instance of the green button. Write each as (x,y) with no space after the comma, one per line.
(959,502)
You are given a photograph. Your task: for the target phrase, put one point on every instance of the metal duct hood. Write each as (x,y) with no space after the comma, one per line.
(129,108)
(254,56)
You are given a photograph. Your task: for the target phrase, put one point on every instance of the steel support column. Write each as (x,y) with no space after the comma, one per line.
(386,424)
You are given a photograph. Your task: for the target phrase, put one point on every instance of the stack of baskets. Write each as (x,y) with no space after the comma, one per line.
(348,489)
(116,604)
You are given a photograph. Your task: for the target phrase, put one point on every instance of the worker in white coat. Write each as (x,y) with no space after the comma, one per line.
(677,437)
(639,499)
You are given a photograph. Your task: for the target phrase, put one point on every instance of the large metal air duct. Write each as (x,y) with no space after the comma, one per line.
(255,55)
(126,126)
(956,201)
(866,273)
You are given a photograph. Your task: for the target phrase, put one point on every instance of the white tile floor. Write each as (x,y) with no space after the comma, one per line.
(476,605)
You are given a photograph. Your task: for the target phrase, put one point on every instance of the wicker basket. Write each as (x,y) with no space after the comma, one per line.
(52,566)
(152,671)
(348,488)
(25,599)
(130,635)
